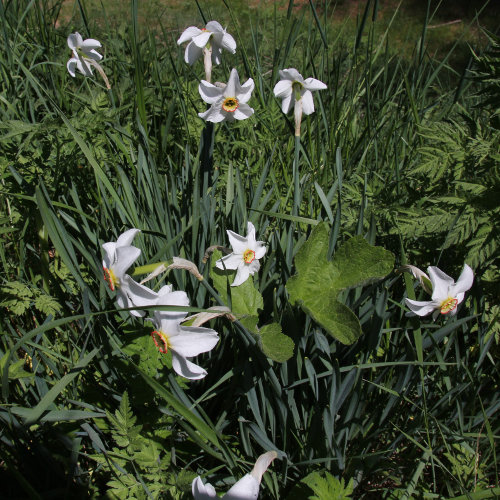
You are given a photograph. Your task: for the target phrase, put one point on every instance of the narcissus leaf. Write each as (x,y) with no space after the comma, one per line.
(318,282)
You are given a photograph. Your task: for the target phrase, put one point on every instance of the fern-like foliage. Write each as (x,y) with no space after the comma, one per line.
(328,487)
(139,465)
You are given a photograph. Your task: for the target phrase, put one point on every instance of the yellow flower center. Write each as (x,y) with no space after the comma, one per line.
(249,256)
(111,279)
(448,305)
(161,341)
(230,104)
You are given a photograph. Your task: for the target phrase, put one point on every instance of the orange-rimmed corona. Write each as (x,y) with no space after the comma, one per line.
(164,344)
(248,256)
(230,104)
(110,278)
(448,305)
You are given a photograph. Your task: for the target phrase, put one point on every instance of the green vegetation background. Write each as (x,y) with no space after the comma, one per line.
(403,150)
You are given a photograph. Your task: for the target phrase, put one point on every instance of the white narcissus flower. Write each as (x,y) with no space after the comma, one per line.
(228,102)
(296,91)
(84,54)
(292,87)
(247,488)
(120,255)
(183,341)
(245,257)
(446,294)
(213,36)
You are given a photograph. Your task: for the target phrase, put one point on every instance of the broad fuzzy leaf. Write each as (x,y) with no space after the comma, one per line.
(318,283)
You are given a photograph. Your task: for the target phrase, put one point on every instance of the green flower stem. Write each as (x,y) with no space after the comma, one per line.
(149,268)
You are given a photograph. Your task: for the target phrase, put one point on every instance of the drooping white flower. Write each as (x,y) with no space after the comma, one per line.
(183,341)
(245,257)
(294,90)
(292,87)
(247,488)
(228,102)
(213,36)
(120,255)
(83,53)
(446,294)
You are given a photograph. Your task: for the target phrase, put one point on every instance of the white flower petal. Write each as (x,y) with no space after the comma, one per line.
(125,239)
(244,92)
(188,34)
(260,251)
(75,40)
(201,40)
(307,102)
(241,275)
(420,308)
(83,67)
(243,112)
(202,491)
(90,44)
(214,27)
(228,43)
(186,369)
(193,340)
(216,54)
(464,282)
(253,267)
(283,88)
(287,102)
(247,488)
(313,84)
(214,114)
(251,241)
(441,283)
(192,53)
(238,243)
(232,84)
(291,74)
(124,258)
(231,261)
(71,65)
(93,54)
(209,92)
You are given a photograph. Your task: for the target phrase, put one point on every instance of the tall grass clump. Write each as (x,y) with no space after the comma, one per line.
(401,152)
